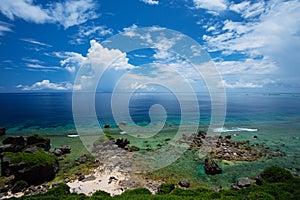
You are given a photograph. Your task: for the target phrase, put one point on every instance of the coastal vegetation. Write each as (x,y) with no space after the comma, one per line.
(277,183)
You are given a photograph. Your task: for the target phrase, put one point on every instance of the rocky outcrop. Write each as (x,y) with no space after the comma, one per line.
(34,168)
(64,149)
(243,182)
(228,149)
(15,140)
(28,160)
(82,159)
(211,167)
(198,139)
(122,142)
(184,183)
(131,148)
(18,143)
(2,131)
(38,141)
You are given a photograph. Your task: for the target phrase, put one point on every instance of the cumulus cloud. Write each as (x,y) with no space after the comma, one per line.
(97,60)
(46,85)
(67,13)
(150,2)
(70,60)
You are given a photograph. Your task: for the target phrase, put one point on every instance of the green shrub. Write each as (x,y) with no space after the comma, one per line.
(275,174)
(59,190)
(183,192)
(166,188)
(138,191)
(260,195)
(40,158)
(100,194)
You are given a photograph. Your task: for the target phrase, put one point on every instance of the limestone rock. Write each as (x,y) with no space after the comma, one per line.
(122,142)
(64,149)
(15,140)
(243,182)
(184,183)
(211,167)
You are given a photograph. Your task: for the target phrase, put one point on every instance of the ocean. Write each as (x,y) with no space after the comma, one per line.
(273,117)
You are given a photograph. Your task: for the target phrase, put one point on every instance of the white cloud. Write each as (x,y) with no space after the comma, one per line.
(24,9)
(73,12)
(150,2)
(214,5)
(130,31)
(248,10)
(248,66)
(46,84)
(241,84)
(4,27)
(33,41)
(98,58)
(274,34)
(42,68)
(67,13)
(70,57)
(70,60)
(86,32)
(70,69)
(101,56)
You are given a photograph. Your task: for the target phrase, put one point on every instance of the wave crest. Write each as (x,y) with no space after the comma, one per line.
(234,129)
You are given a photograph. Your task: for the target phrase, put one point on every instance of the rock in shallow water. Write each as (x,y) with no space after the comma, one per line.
(211,167)
(122,142)
(243,182)
(184,183)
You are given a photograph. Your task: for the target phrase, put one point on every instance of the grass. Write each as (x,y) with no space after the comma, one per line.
(40,158)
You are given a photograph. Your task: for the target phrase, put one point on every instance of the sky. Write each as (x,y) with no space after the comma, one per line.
(66,44)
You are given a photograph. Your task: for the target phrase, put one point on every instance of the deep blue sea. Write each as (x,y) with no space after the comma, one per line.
(21,113)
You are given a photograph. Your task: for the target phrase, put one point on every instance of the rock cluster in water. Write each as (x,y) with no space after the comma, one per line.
(227,149)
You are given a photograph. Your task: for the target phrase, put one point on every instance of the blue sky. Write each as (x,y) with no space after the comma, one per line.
(255,45)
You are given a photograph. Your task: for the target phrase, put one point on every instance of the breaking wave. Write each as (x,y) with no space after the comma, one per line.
(234,129)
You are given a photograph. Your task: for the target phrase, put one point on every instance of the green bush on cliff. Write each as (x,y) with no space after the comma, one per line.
(39,158)
(166,188)
(138,191)
(59,190)
(275,174)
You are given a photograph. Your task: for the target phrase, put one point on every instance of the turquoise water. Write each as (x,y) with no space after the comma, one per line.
(273,118)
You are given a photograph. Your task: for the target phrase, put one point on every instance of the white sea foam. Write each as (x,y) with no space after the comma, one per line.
(234,129)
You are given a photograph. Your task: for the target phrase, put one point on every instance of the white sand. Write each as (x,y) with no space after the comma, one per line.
(102,182)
